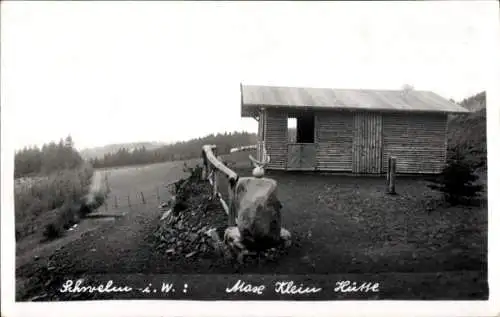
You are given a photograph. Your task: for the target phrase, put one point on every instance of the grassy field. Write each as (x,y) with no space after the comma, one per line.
(152,179)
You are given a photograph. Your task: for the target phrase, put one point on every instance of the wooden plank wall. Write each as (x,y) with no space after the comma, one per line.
(334,132)
(260,135)
(367,143)
(417,140)
(276,134)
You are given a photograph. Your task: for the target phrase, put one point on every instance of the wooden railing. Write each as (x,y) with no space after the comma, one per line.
(243,148)
(213,168)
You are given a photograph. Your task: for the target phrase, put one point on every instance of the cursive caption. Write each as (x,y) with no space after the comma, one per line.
(79,286)
(282,287)
(290,288)
(354,287)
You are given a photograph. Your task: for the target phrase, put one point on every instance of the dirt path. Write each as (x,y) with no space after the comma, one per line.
(121,246)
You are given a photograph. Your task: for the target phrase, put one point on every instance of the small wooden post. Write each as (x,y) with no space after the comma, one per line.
(128,198)
(391,176)
(214,183)
(105,205)
(232,207)
(214,151)
(204,172)
(116,202)
(143,200)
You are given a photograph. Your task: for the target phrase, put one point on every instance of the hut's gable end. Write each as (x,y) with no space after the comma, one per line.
(334,135)
(276,134)
(418,141)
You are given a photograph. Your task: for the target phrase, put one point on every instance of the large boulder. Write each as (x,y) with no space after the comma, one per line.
(258,212)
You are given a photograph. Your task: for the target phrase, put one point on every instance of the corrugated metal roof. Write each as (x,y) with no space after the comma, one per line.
(394,100)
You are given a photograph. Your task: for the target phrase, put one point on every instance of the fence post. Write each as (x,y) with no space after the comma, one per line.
(116,202)
(143,200)
(214,183)
(391,175)
(232,204)
(204,173)
(214,175)
(128,198)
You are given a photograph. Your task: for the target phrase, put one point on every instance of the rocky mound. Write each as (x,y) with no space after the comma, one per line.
(190,220)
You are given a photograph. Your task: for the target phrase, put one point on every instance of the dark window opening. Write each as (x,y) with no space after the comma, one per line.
(303,132)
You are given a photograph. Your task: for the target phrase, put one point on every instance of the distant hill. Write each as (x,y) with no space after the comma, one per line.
(185,150)
(101,151)
(468,131)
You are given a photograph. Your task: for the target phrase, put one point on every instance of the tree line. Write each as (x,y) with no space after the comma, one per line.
(49,158)
(183,150)
(54,156)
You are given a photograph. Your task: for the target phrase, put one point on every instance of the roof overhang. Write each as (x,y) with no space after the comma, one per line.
(252,109)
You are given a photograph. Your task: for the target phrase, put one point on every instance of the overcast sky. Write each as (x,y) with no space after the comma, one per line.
(111,72)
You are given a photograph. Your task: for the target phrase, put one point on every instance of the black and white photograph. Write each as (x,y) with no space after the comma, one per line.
(247,151)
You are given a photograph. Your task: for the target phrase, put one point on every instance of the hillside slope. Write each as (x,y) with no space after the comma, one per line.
(184,150)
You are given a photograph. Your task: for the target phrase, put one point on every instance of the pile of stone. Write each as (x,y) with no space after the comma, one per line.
(188,221)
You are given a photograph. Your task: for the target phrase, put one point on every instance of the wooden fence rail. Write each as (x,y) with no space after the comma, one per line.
(139,198)
(212,168)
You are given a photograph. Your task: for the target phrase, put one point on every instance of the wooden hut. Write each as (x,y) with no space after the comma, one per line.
(347,130)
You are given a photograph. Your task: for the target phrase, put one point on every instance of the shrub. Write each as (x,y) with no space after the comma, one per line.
(63,218)
(52,231)
(91,202)
(59,220)
(35,204)
(457,181)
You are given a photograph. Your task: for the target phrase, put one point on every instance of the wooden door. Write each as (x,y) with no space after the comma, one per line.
(367,143)
(308,156)
(301,156)
(294,153)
